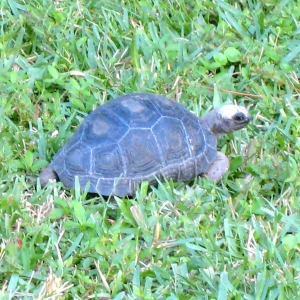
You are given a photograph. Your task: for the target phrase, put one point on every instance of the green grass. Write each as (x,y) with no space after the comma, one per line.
(239,239)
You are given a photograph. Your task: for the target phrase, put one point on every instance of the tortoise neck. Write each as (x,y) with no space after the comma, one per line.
(210,120)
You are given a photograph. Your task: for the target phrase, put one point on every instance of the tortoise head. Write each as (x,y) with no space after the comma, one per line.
(229,118)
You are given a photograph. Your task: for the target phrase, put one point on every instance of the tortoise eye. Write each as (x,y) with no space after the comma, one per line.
(239,117)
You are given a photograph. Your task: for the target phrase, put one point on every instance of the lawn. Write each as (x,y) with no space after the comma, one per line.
(237,239)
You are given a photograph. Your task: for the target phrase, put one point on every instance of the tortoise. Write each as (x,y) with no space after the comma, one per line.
(143,137)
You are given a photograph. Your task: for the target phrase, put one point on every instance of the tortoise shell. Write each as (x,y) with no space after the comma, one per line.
(134,138)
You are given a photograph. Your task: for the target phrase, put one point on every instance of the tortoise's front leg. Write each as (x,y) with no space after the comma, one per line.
(218,168)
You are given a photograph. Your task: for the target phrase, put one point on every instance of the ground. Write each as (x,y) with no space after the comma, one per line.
(238,239)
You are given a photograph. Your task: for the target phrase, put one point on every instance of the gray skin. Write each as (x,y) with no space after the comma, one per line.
(143,137)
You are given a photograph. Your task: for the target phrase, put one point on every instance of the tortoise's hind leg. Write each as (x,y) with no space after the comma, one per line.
(47,174)
(218,168)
